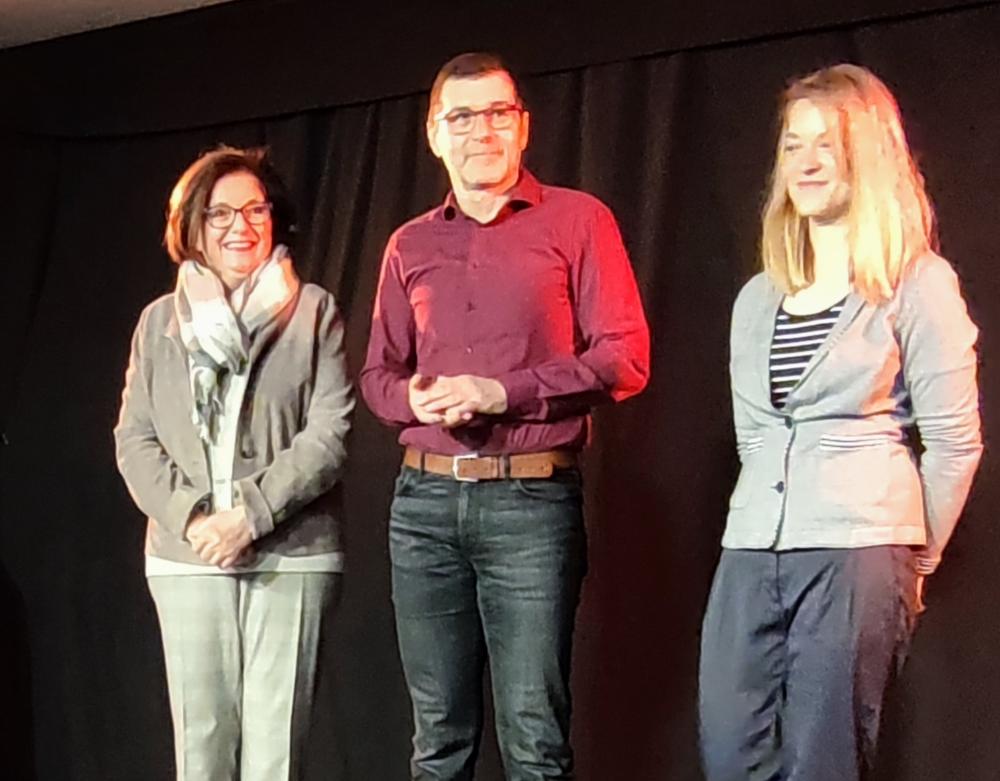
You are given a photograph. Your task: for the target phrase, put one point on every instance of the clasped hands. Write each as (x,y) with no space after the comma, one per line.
(455,400)
(221,539)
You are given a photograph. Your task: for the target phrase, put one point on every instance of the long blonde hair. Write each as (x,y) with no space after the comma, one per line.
(889,216)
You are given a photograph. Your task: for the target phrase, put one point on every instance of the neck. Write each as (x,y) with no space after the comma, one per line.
(230,281)
(483,205)
(831,251)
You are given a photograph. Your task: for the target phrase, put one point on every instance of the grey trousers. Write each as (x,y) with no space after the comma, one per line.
(241,656)
(797,650)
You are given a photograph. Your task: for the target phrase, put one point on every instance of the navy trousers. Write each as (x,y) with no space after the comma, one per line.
(797,650)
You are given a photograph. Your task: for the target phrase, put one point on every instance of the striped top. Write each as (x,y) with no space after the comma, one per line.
(796,339)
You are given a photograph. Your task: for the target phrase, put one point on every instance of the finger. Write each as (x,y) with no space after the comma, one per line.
(924,566)
(199,545)
(464,411)
(457,416)
(436,395)
(219,555)
(206,555)
(452,400)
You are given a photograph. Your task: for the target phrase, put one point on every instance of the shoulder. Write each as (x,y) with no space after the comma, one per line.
(576,202)
(753,292)
(417,230)
(315,302)
(929,296)
(313,295)
(156,315)
(929,284)
(925,275)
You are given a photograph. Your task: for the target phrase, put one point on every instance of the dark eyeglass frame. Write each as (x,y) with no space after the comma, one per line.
(232,211)
(467,117)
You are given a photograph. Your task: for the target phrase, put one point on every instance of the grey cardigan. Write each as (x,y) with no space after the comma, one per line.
(291,444)
(837,467)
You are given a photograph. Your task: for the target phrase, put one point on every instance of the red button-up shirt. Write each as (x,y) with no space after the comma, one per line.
(542,299)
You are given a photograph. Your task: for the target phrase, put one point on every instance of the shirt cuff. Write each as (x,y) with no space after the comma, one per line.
(182,506)
(925,563)
(522,390)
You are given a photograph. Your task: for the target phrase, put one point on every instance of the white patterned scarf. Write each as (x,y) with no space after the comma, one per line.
(217,331)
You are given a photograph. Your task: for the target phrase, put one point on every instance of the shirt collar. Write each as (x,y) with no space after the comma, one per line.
(526,193)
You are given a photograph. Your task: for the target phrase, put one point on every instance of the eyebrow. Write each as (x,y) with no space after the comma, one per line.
(789,134)
(223,203)
(491,104)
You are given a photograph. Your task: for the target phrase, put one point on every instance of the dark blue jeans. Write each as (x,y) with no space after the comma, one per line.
(797,650)
(487,571)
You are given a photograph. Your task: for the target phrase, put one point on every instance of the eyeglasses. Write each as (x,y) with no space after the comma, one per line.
(223,215)
(498,117)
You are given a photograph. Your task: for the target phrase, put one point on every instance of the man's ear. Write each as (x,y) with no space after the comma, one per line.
(432,138)
(525,130)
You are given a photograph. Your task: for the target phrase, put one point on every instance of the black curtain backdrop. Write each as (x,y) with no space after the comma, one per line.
(678,143)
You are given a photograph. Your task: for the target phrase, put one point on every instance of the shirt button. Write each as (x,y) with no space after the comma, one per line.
(468,349)
(779,486)
(788,422)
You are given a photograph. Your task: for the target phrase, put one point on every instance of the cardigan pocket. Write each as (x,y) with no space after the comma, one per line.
(842,442)
(853,470)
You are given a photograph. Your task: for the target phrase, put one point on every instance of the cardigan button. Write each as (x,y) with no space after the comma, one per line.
(779,486)
(788,422)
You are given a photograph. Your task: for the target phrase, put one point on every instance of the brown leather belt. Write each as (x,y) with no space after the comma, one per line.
(473,468)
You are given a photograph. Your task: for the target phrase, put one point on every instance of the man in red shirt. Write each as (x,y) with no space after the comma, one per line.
(502,317)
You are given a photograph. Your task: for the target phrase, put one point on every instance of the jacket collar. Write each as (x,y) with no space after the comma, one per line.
(762,336)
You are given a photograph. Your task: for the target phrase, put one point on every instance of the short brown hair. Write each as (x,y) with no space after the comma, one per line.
(468,66)
(189,198)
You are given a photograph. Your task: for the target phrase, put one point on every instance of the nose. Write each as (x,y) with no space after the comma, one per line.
(810,160)
(480,127)
(240,223)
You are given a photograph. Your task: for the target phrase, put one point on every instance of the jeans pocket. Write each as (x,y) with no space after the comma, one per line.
(562,486)
(405,480)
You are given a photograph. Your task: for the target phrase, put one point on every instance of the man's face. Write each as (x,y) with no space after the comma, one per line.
(479,131)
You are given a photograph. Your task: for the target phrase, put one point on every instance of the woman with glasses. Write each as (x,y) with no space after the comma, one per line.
(231,438)
(851,344)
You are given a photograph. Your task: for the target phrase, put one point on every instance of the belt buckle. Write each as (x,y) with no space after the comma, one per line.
(454,468)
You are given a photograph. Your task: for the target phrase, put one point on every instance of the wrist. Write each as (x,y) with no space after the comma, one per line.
(498,398)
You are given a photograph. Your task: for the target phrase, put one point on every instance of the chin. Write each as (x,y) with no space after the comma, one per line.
(485,183)
(812,209)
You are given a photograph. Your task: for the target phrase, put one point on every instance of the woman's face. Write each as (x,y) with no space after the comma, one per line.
(812,162)
(237,233)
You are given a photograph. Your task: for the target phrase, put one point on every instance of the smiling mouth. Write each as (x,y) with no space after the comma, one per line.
(239,246)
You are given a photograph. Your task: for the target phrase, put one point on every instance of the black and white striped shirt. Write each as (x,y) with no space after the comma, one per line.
(796,338)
